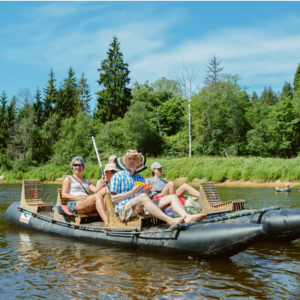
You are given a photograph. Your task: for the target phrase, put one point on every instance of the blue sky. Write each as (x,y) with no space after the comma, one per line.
(260,41)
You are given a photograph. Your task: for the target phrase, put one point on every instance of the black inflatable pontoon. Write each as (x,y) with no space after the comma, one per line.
(283,225)
(202,240)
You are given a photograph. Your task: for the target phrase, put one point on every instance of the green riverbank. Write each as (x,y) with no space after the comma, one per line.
(215,169)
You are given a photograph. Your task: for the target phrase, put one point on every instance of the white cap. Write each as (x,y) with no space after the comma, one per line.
(110,167)
(156,165)
(112,157)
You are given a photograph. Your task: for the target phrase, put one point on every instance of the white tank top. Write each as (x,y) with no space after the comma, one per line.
(76,188)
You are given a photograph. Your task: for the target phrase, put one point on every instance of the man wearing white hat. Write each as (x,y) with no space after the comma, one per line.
(131,199)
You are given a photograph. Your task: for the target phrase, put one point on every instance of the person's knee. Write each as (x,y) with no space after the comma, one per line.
(144,197)
(185,186)
(171,183)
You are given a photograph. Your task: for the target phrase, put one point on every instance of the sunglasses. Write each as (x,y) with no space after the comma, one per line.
(114,172)
(77,165)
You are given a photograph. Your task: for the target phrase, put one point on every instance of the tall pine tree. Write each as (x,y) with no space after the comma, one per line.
(297,79)
(114,99)
(268,97)
(3,122)
(254,98)
(67,99)
(84,95)
(70,98)
(287,90)
(50,96)
(38,108)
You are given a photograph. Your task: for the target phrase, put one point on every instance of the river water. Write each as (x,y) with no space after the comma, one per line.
(40,266)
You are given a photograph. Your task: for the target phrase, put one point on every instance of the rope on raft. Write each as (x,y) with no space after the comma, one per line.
(233,215)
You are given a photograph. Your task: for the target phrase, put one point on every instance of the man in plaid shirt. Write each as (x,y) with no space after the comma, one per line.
(131,199)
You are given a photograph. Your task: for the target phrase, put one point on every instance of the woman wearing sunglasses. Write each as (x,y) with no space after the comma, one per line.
(77,190)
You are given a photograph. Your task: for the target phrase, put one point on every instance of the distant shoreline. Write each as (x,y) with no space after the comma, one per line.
(195,182)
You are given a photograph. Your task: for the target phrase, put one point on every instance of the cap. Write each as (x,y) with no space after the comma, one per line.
(156,165)
(112,157)
(110,167)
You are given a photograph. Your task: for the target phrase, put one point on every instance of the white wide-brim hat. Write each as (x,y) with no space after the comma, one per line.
(121,164)
(110,167)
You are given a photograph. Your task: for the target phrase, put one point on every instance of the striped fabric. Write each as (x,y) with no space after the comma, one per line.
(123,182)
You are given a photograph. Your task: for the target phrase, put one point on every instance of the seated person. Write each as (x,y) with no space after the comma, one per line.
(111,160)
(286,189)
(160,187)
(110,170)
(130,199)
(76,189)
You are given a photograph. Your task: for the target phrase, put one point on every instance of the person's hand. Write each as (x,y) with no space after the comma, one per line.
(147,189)
(81,197)
(104,178)
(137,189)
(100,181)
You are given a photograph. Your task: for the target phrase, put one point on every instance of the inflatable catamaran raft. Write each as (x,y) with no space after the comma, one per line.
(146,233)
(283,224)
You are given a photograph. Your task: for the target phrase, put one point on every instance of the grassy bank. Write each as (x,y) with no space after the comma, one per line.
(208,168)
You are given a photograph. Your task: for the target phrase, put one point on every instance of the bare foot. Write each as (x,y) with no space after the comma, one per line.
(175,221)
(194,218)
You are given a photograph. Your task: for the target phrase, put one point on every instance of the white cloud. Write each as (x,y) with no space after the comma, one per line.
(265,54)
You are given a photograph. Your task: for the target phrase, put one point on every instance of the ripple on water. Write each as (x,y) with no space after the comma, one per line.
(39,266)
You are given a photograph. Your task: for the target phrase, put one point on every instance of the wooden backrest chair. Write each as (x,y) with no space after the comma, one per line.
(31,198)
(210,201)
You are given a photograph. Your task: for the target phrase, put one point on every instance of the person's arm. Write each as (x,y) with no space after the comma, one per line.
(66,188)
(100,184)
(116,197)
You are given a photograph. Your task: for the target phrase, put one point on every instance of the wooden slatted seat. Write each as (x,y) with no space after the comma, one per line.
(137,222)
(211,203)
(31,198)
(77,218)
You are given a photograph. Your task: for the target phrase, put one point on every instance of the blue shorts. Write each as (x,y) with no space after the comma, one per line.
(72,206)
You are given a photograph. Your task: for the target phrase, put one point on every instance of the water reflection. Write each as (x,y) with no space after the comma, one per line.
(38,266)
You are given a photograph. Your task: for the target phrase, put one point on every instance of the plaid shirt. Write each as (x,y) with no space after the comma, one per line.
(123,182)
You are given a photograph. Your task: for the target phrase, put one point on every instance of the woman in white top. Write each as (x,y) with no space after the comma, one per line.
(77,189)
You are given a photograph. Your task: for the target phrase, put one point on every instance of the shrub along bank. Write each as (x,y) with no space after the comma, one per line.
(216,169)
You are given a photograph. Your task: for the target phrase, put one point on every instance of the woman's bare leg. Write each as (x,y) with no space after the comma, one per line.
(87,205)
(155,208)
(101,207)
(143,201)
(176,205)
(92,203)
(185,188)
(169,189)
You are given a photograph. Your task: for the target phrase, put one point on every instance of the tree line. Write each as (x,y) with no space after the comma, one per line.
(164,118)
